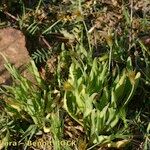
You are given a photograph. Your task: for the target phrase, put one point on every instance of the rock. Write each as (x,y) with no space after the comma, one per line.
(12,46)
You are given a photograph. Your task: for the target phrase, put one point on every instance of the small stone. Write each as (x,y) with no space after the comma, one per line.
(12,46)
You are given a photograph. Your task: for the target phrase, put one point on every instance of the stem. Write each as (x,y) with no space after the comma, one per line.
(110,57)
(88,38)
(131,20)
(130,95)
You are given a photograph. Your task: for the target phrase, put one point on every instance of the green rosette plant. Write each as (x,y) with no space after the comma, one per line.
(97,100)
